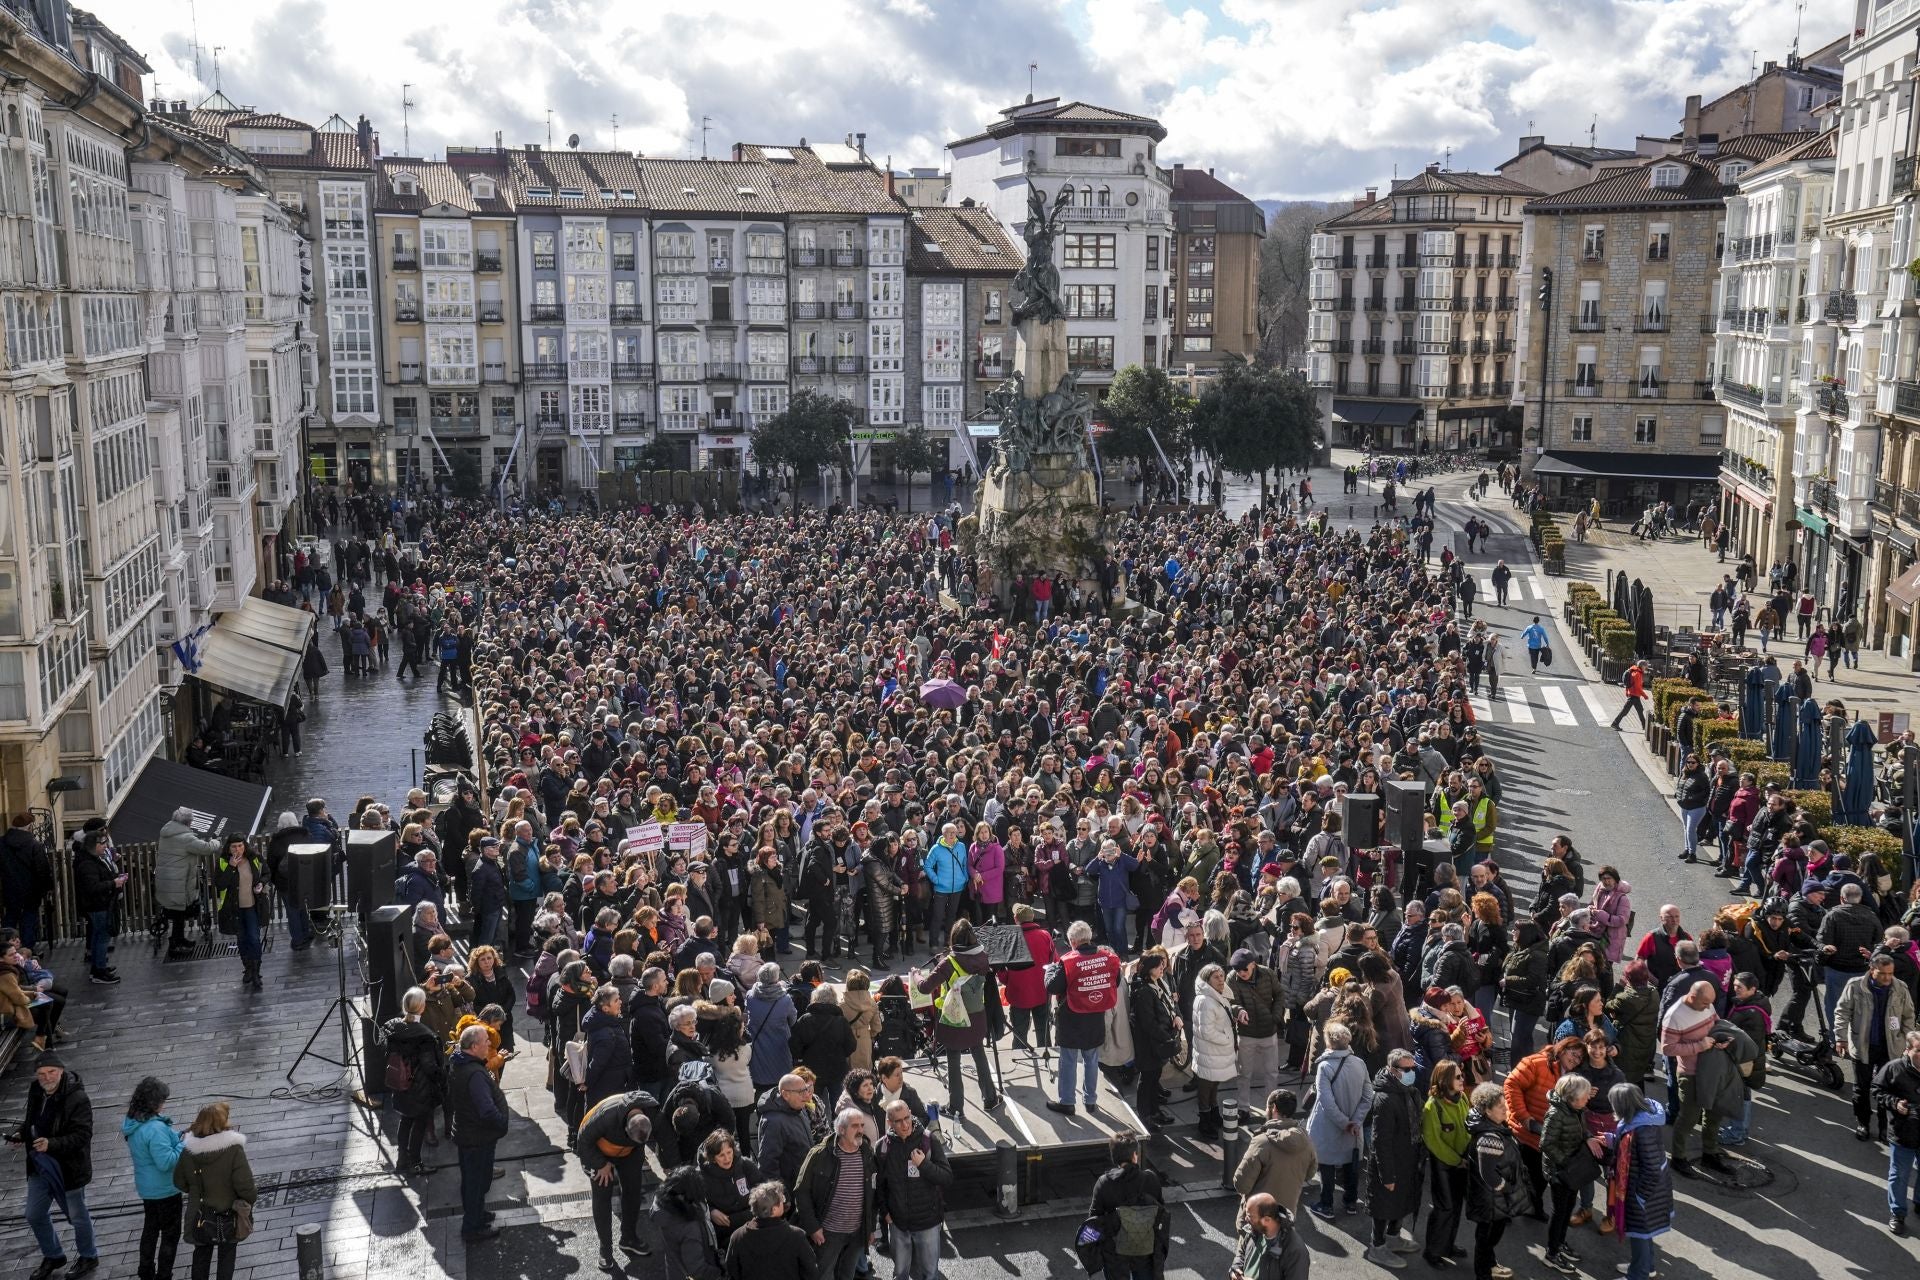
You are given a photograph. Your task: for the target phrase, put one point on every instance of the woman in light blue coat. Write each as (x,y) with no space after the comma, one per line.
(154,1147)
(1343,1094)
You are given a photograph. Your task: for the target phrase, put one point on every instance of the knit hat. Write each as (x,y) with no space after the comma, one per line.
(1339,977)
(1242,958)
(48,1060)
(719,989)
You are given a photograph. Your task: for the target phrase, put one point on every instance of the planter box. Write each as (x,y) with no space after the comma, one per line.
(1611,669)
(1658,736)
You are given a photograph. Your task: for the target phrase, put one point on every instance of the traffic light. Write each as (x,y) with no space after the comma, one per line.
(1546,286)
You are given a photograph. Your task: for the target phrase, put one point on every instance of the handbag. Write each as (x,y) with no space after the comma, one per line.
(1546,655)
(219,1226)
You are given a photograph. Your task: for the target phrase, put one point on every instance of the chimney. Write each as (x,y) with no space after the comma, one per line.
(1769,68)
(180,108)
(158,106)
(1178,169)
(1209,171)
(1373,193)
(862,143)
(889,182)
(1690,127)
(363,132)
(497,136)
(1530,140)
(1433,166)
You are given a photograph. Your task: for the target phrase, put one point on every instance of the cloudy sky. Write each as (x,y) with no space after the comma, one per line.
(1286,98)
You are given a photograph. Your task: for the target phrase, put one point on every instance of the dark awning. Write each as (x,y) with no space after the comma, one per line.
(1581,465)
(220,804)
(1372,413)
(1904,591)
(251,668)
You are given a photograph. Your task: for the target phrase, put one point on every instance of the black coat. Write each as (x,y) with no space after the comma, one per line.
(1397,1148)
(913,1203)
(651,1038)
(416,1044)
(65,1119)
(680,1214)
(26,872)
(1154,1035)
(1497,1189)
(723,1187)
(820,1176)
(770,1249)
(487,889)
(822,1040)
(93,887)
(609,1055)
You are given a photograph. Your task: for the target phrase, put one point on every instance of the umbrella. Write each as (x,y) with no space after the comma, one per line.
(1784,742)
(49,1169)
(1806,755)
(1642,620)
(1858,795)
(1753,707)
(1621,605)
(944,694)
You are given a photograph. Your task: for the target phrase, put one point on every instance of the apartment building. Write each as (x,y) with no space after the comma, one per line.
(1412,313)
(845,277)
(1215,294)
(79,577)
(449,317)
(1763,313)
(1553,167)
(1115,252)
(1782,97)
(584,334)
(960,268)
(1855,463)
(276,273)
(325,174)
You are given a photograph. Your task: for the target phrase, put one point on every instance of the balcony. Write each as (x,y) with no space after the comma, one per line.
(1831,398)
(625,261)
(494,372)
(486,262)
(1820,495)
(1502,387)
(1437,260)
(1841,305)
(807,257)
(1481,347)
(1650,388)
(1886,495)
(766,371)
(1375,261)
(492,313)
(1406,304)
(846,257)
(1906,399)
(1341,346)
(456,424)
(678,421)
(1345,262)
(1910,506)
(629,422)
(1374,304)
(540,371)
(1508,261)
(1405,347)
(1341,304)
(849,310)
(1090,364)
(1408,260)
(1658,251)
(548,424)
(1651,324)
(722,371)
(406,312)
(1502,346)
(546,313)
(1483,303)
(409,372)
(1751,397)
(1373,346)
(406,423)
(809,310)
(677,266)
(766,266)
(1504,303)
(1481,260)
(679,371)
(627,313)
(1584,388)
(982,369)
(1586,324)
(719,266)
(628,371)
(405,260)
(545,262)
(1748,469)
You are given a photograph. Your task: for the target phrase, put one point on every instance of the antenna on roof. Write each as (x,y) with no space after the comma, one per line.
(549,128)
(616,131)
(1032,67)
(216,66)
(1593,131)
(1446,159)
(1753,68)
(706,123)
(193,15)
(406,131)
(1799,12)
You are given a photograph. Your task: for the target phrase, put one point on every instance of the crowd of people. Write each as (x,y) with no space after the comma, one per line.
(1157,807)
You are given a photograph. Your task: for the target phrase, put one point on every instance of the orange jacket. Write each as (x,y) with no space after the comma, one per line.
(1526,1091)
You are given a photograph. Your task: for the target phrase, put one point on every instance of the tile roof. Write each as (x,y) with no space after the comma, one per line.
(1633,188)
(1365,216)
(807,184)
(1199,185)
(716,187)
(439,183)
(1761,146)
(1450,180)
(1821,146)
(338,151)
(962,236)
(1052,111)
(588,172)
(267,120)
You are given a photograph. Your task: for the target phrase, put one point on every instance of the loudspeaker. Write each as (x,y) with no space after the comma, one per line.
(310,868)
(370,873)
(388,968)
(1362,820)
(1406,815)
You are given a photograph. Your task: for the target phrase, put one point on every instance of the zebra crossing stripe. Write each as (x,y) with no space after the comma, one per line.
(1517,705)
(1557,707)
(1600,713)
(1537,587)
(1481,711)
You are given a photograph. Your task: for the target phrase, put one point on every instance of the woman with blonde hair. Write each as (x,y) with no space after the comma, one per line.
(218,1181)
(744,962)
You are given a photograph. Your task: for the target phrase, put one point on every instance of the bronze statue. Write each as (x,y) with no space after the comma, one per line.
(1036,286)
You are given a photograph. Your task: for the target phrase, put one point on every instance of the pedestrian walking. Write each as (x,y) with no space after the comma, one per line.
(241,903)
(1874,1011)
(1635,684)
(1535,638)
(1502,580)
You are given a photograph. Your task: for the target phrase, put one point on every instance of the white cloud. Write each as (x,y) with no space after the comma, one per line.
(1295,98)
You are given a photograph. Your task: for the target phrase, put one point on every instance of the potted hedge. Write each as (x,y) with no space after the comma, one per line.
(1857,841)
(1817,805)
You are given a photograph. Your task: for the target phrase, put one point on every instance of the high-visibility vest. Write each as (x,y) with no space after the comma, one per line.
(1484,840)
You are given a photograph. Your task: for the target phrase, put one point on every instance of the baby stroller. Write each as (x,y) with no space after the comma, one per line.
(905,1032)
(1811,1056)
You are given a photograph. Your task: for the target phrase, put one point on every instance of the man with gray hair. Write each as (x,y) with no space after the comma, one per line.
(913,1174)
(480,1118)
(769,1247)
(1847,937)
(833,1197)
(1086,983)
(178,859)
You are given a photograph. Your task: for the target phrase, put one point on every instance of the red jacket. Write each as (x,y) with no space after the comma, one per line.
(1636,682)
(1027,988)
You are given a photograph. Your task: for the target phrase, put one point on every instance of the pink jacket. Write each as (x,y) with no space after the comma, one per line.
(1612,909)
(988,860)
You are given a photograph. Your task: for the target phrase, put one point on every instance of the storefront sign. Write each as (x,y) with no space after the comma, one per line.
(984,430)
(1892,725)
(874,435)
(1810,521)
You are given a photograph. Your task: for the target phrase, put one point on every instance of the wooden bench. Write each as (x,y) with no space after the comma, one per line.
(12,1040)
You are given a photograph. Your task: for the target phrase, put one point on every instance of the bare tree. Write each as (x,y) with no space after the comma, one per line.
(1284,268)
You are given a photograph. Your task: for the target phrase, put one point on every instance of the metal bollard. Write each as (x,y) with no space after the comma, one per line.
(1233,1140)
(310,1251)
(1007,1158)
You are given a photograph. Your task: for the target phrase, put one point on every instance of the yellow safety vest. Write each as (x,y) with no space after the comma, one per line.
(1485,838)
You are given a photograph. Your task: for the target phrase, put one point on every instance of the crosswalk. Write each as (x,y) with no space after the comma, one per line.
(1563,704)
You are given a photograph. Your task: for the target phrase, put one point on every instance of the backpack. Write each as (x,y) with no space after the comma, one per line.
(399,1075)
(1135,1237)
(517,863)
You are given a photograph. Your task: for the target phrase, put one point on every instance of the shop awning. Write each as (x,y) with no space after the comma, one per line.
(274,624)
(1904,591)
(253,669)
(1375,413)
(220,804)
(1581,465)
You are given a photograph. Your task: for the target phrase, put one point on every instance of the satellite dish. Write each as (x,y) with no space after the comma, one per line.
(573,139)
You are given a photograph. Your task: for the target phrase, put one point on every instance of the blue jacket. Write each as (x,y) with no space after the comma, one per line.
(1535,636)
(946,867)
(1649,1208)
(155,1148)
(416,886)
(1112,878)
(526,888)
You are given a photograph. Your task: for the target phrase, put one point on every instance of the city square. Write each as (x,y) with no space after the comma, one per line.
(1042,674)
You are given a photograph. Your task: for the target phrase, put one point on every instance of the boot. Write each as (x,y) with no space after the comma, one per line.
(257,985)
(1210,1122)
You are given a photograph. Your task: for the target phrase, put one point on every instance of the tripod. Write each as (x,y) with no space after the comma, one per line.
(340,1007)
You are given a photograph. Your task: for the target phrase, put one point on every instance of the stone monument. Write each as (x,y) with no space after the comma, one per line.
(1039,502)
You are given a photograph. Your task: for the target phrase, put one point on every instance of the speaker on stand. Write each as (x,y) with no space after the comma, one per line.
(370,873)
(1362,820)
(389,971)
(1407,828)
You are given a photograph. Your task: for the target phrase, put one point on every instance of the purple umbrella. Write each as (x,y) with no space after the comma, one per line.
(943,693)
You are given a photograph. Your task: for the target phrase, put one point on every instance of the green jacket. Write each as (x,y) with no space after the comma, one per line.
(214,1171)
(1561,1137)
(1636,1019)
(1444,1127)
